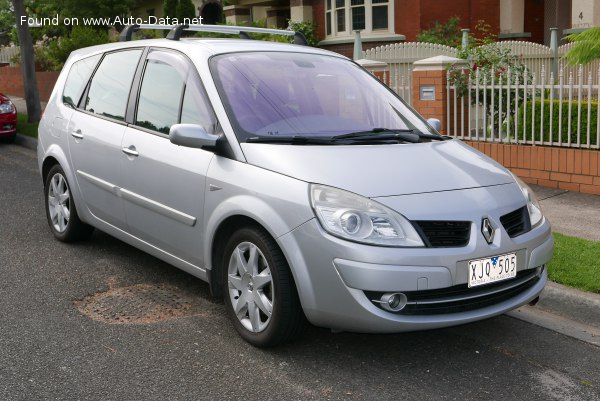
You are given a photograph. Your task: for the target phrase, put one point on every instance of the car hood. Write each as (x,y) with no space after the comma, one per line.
(382,170)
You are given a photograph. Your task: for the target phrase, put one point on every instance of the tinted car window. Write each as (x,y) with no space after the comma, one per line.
(280,93)
(160,97)
(110,85)
(78,77)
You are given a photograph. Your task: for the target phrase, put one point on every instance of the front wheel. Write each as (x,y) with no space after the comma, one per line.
(259,290)
(60,208)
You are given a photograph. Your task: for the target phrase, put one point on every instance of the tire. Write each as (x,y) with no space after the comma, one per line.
(60,208)
(258,284)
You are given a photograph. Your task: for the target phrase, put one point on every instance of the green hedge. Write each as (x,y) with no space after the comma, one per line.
(565,120)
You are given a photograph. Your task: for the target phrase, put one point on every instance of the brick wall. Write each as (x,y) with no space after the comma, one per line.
(570,169)
(407,18)
(11,82)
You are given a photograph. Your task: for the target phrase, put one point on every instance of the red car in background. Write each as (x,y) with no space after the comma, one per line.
(8,119)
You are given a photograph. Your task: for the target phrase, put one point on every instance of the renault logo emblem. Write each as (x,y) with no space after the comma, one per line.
(487,230)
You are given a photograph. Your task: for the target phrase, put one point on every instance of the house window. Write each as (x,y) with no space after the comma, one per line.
(380,14)
(358,14)
(340,15)
(372,17)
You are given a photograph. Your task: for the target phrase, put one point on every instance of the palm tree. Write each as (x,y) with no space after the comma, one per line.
(586,47)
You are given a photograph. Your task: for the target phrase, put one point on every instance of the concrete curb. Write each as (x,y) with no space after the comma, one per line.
(558,304)
(26,141)
(571,303)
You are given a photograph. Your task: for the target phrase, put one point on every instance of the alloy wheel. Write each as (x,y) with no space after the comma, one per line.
(250,287)
(59,202)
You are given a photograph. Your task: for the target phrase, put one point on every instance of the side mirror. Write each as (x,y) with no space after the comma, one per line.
(435,123)
(192,136)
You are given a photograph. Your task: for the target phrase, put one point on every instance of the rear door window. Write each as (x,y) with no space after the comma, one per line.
(111,83)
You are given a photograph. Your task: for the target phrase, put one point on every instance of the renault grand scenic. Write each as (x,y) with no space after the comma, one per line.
(293,181)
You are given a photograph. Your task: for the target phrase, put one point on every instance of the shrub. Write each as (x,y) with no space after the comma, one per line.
(307,28)
(527,106)
(185,9)
(447,33)
(58,50)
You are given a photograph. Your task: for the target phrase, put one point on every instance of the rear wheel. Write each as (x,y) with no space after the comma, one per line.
(60,208)
(260,294)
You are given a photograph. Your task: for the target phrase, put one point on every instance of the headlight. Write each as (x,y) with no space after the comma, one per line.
(6,107)
(533,206)
(356,218)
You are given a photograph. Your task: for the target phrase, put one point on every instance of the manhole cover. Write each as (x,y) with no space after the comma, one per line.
(139,304)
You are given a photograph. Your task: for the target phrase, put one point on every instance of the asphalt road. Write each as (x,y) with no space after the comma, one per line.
(51,349)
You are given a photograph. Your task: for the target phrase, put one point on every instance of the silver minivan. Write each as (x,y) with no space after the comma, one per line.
(290,179)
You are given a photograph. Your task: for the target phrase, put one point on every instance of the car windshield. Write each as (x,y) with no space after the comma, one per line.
(274,95)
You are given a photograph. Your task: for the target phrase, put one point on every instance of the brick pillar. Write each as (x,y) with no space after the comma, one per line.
(278,17)
(378,68)
(301,10)
(429,86)
(237,15)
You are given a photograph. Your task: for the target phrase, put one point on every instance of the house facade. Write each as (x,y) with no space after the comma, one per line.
(387,21)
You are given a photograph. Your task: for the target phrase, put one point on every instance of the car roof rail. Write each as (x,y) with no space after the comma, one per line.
(175,31)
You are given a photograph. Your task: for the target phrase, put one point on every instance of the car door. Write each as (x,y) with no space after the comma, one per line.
(96,131)
(163,183)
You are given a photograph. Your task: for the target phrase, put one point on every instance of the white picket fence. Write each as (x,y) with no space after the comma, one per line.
(8,53)
(400,58)
(534,109)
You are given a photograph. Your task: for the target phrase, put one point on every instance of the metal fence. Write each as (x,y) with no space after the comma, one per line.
(8,53)
(527,108)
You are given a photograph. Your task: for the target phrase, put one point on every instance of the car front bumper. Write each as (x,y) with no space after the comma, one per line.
(337,279)
(8,124)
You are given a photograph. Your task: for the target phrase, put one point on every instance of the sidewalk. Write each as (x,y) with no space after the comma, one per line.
(564,309)
(21,105)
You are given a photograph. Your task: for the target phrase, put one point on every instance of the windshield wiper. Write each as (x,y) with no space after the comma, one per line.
(294,140)
(374,136)
(407,135)
(403,134)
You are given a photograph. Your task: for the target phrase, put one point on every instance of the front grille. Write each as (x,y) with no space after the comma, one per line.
(444,234)
(517,222)
(460,298)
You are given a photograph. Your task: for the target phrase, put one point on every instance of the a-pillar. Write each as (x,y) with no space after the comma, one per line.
(237,15)
(429,89)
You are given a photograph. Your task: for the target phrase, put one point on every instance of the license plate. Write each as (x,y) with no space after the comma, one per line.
(490,270)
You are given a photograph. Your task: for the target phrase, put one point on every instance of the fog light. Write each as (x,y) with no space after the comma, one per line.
(393,302)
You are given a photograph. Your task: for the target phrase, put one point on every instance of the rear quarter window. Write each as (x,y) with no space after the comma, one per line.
(78,77)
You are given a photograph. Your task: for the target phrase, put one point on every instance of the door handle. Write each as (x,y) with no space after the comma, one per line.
(77,134)
(130,151)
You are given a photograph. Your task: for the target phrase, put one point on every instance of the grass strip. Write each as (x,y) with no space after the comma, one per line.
(576,263)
